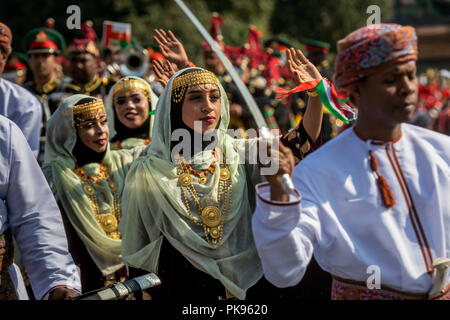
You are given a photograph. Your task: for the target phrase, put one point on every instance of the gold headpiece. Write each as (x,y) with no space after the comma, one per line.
(132,85)
(181,83)
(88,110)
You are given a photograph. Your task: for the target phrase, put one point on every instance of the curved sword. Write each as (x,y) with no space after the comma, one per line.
(251,104)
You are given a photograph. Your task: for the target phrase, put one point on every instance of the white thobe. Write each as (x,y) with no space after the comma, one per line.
(21,107)
(30,210)
(336,213)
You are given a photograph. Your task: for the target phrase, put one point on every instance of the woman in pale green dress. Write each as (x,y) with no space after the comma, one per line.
(87,179)
(130,107)
(187,211)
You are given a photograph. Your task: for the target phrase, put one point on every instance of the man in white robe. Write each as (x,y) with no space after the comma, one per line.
(372,204)
(29,212)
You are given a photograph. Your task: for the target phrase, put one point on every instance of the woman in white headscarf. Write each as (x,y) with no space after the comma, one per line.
(130,107)
(87,179)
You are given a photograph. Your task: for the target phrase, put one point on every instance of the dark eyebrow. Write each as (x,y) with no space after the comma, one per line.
(399,71)
(136,94)
(94,119)
(194,91)
(200,91)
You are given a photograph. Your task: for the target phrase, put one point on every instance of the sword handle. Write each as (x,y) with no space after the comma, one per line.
(286,181)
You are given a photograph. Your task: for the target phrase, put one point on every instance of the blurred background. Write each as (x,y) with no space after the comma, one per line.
(324,20)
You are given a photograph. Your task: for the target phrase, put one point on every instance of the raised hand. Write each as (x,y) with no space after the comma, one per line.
(301,67)
(171,48)
(163,71)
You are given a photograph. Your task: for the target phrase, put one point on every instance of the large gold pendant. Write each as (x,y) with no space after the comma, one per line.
(211,216)
(185,179)
(214,233)
(202,178)
(89,189)
(224,174)
(108,222)
(114,235)
(112,185)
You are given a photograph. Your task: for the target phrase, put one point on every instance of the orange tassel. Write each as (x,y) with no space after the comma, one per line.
(373,162)
(386,193)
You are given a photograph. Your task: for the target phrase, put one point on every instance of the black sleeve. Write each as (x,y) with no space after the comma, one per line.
(300,142)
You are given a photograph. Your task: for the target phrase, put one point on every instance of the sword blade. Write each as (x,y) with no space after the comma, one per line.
(248,98)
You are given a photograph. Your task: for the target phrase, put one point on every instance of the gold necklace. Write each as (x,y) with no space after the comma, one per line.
(211,216)
(108,221)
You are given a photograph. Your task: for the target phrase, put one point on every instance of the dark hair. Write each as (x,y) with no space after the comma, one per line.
(84,100)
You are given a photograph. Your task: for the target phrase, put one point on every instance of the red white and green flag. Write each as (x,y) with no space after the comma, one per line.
(334,102)
(116,34)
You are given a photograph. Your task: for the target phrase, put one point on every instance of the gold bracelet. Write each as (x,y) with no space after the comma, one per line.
(312,93)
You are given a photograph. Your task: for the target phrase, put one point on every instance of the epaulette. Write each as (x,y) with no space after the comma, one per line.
(73,87)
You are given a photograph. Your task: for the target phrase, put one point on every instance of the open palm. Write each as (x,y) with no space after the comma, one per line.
(301,67)
(171,48)
(163,71)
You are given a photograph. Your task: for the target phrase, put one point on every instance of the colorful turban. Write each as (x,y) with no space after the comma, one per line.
(363,51)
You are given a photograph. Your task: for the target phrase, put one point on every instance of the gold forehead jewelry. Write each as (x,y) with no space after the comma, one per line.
(132,85)
(86,110)
(181,83)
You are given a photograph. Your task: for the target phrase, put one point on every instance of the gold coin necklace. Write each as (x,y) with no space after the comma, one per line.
(108,221)
(211,218)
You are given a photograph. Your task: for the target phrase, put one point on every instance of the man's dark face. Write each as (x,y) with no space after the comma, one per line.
(43,64)
(388,97)
(212,61)
(3,58)
(83,67)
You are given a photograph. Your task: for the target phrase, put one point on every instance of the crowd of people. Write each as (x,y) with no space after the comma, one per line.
(109,173)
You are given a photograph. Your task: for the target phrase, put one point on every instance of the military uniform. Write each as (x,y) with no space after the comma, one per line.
(16,68)
(50,94)
(96,87)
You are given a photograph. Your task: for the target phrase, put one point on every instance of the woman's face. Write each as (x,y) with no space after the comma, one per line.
(201,107)
(131,108)
(94,133)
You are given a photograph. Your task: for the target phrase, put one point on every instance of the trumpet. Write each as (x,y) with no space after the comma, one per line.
(134,62)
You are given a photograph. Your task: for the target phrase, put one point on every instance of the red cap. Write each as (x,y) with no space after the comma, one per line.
(156,56)
(15,64)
